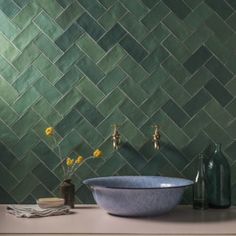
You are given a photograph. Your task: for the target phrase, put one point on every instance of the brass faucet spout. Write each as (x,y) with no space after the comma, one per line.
(115,138)
(156,137)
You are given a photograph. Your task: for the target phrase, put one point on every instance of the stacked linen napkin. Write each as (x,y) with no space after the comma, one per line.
(33,211)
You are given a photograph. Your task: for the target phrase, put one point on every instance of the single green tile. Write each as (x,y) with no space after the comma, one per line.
(199,37)
(111,80)
(89,133)
(30,53)
(7,71)
(25,16)
(179,8)
(47,68)
(197,124)
(155,59)
(155,80)
(7,114)
(117,10)
(26,143)
(133,69)
(21,168)
(111,166)
(68,101)
(197,102)
(24,187)
(52,7)
(47,25)
(135,114)
(90,47)
(176,69)
(90,91)
(7,28)
(90,69)
(69,80)
(136,8)
(220,29)
(69,58)
(26,36)
(176,113)
(72,12)
(133,91)
(111,59)
(221,7)
(50,93)
(26,100)
(221,116)
(111,102)
(46,177)
(10,8)
(155,37)
(93,7)
(176,91)
(69,37)
(107,21)
(7,91)
(198,80)
(116,117)
(42,107)
(155,16)
(7,49)
(217,134)
(46,155)
(48,47)
(231,108)
(176,48)
(177,27)
(154,102)
(26,79)
(131,23)
(25,123)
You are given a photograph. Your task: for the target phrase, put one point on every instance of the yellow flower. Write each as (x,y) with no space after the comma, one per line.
(79,160)
(49,131)
(69,161)
(97,153)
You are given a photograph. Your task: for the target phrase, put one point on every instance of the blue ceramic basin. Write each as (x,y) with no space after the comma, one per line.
(137,195)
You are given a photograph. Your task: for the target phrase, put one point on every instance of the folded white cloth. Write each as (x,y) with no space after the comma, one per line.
(33,211)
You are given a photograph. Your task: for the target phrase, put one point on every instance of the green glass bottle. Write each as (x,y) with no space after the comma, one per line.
(200,186)
(219,180)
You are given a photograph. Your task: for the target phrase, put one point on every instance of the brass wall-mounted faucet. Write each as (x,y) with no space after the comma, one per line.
(116,137)
(156,137)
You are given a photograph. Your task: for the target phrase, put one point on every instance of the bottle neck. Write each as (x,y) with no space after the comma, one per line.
(217,147)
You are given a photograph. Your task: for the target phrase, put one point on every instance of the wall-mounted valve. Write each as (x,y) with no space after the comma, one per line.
(116,140)
(156,137)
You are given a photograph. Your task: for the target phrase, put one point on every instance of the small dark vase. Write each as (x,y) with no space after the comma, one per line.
(219,180)
(68,192)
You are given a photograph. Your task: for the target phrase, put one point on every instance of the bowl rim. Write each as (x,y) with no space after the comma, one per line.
(93,186)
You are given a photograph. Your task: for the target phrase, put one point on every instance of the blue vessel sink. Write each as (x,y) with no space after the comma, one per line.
(137,195)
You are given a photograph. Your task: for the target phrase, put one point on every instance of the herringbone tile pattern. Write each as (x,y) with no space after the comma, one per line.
(83,65)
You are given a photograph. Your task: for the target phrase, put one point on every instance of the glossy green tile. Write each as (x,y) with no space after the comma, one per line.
(7,49)
(90,91)
(110,60)
(90,69)
(27,78)
(47,25)
(90,47)
(156,14)
(130,23)
(179,8)
(111,80)
(72,12)
(26,36)
(7,114)
(7,71)
(48,47)
(8,92)
(30,53)
(10,8)
(69,37)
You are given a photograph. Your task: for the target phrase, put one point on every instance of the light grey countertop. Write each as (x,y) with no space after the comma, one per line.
(91,220)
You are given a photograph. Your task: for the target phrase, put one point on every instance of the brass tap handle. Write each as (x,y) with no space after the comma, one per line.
(116,137)
(156,137)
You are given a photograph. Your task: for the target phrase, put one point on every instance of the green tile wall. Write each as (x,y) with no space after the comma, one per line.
(84,65)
